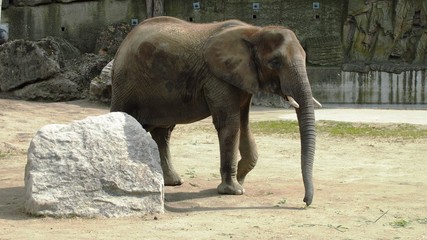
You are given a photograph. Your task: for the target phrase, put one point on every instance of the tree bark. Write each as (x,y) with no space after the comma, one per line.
(154,8)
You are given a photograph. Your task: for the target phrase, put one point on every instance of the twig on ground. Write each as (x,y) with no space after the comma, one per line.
(382,215)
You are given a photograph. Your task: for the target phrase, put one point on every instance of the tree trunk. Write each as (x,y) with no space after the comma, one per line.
(154,8)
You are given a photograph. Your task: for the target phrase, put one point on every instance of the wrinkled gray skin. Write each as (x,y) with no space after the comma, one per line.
(168,71)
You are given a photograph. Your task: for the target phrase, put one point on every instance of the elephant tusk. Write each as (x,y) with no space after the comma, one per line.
(317,103)
(293,102)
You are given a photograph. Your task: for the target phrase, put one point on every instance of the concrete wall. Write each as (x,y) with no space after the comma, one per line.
(78,22)
(331,85)
(299,15)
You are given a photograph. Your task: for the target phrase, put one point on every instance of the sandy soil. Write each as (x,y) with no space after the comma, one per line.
(364,188)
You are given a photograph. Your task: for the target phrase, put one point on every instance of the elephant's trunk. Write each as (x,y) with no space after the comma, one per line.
(306,120)
(308,143)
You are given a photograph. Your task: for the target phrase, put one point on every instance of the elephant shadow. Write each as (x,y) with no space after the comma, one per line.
(12,203)
(180,202)
(183,196)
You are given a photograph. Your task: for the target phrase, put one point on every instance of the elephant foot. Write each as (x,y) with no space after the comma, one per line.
(241,179)
(172,179)
(243,168)
(233,188)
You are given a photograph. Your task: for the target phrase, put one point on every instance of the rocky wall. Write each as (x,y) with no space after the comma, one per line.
(392,32)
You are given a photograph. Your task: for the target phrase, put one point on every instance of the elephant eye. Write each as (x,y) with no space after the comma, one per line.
(274,63)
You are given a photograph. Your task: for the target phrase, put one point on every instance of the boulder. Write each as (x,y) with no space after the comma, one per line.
(100,86)
(4,35)
(66,50)
(100,166)
(72,83)
(110,39)
(66,1)
(22,3)
(56,89)
(23,62)
(83,69)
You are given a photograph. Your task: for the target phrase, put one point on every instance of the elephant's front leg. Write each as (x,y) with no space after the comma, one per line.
(228,134)
(224,101)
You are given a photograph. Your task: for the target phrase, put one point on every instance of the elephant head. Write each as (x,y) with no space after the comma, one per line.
(269,59)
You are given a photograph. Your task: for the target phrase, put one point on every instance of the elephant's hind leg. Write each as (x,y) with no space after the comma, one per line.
(162,137)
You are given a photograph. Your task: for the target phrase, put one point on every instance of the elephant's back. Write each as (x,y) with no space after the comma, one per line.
(181,34)
(163,45)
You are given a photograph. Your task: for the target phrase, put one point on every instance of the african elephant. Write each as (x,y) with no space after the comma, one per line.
(168,71)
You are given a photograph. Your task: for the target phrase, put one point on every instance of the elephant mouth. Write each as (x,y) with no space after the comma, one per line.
(295,104)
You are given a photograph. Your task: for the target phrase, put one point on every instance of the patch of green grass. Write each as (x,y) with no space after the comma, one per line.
(275,127)
(282,202)
(344,129)
(191,173)
(399,223)
(2,154)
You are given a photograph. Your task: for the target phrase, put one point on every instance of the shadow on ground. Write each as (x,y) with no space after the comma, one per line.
(182,202)
(12,203)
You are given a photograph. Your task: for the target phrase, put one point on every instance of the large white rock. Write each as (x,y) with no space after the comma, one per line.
(100,166)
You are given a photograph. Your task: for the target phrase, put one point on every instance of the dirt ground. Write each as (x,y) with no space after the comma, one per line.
(364,188)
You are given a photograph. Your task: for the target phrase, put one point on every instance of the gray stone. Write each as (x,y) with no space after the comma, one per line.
(82,70)
(66,1)
(66,50)
(100,86)
(72,83)
(23,62)
(4,35)
(55,89)
(31,2)
(110,39)
(100,166)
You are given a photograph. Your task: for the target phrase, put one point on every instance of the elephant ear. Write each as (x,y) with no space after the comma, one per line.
(229,57)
